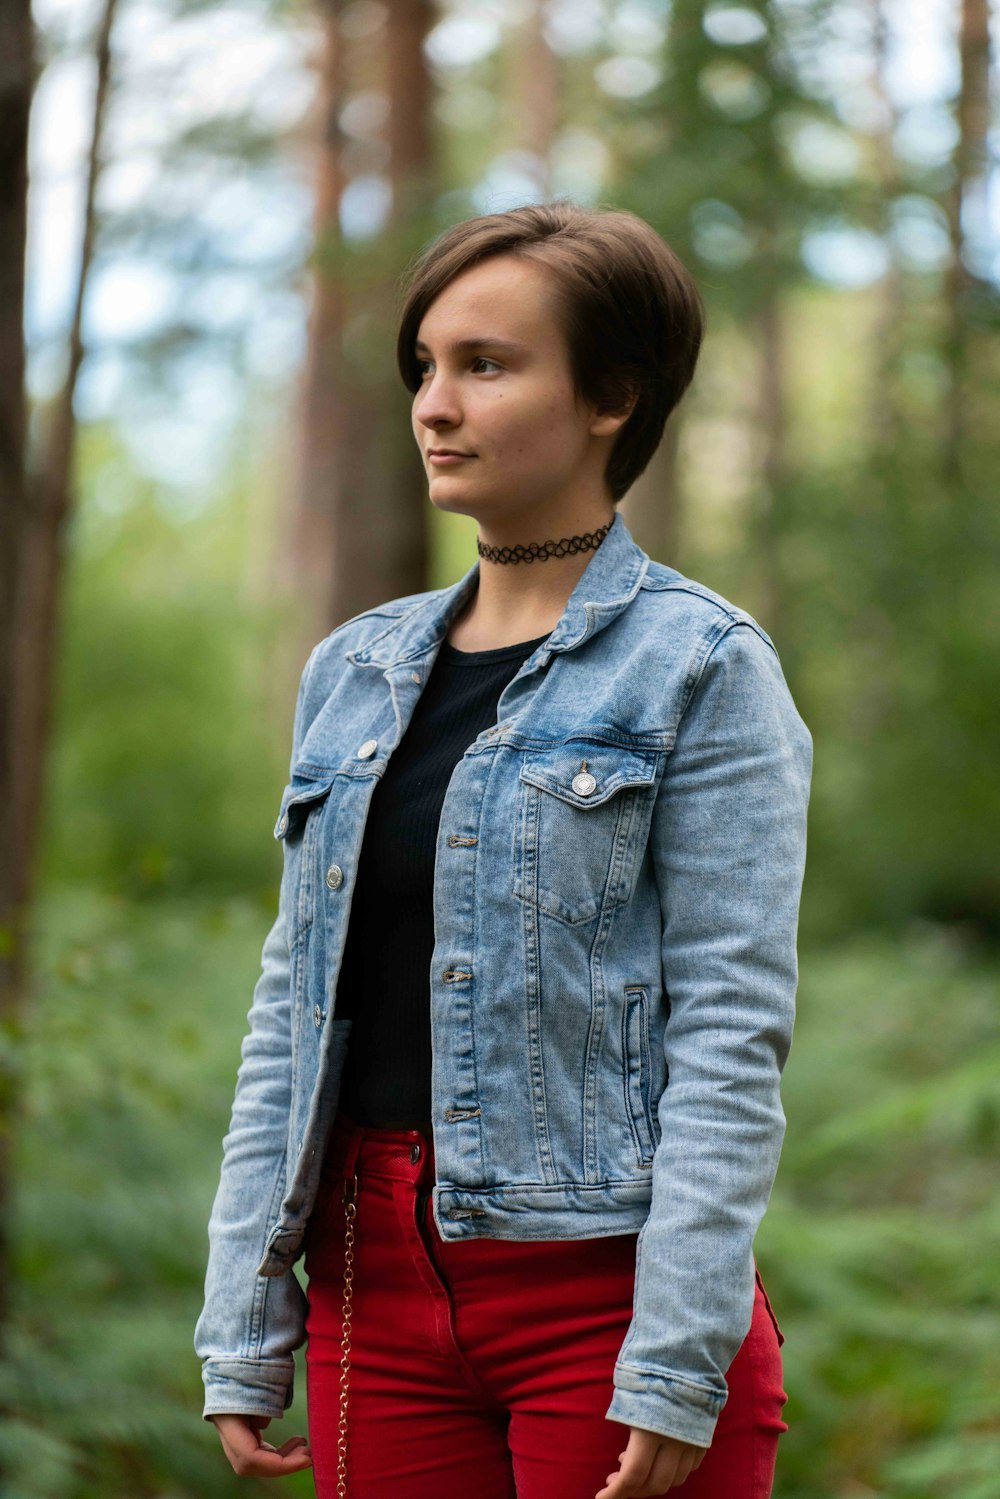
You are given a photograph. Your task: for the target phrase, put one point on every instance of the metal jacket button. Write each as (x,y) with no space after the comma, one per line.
(584,783)
(367,749)
(335,877)
(317,1015)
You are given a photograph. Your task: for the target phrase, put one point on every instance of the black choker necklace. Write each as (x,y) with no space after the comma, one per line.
(542,551)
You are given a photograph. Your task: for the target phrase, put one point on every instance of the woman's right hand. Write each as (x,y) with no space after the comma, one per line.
(252,1458)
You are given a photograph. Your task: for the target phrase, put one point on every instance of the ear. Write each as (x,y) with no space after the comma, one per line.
(607,423)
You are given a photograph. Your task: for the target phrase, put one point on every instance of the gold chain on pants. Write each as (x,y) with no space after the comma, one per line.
(350,1210)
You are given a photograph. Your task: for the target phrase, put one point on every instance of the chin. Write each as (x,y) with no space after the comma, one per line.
(454,504)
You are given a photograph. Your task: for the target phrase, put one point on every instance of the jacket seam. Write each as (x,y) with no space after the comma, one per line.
(422,601)
(243,1359)
(712,645)
(387,610)
(668,1378)
(707,595)
(257,1318)
(309,670)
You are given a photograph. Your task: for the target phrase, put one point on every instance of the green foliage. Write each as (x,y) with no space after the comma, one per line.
(880,1244)
(893,643)
(173,718)
(130,1057)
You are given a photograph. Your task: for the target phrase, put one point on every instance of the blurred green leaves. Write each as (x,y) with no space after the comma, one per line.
(880,1245)
(130,1055)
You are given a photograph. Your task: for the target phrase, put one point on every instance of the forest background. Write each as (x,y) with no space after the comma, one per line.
(206,464)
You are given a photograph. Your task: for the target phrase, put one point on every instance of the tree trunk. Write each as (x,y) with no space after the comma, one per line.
(17,66)
(34,534)
(771,418)
(321,422)
(534,93)
(971,167)
(362,526)
(651,509)
(883,407)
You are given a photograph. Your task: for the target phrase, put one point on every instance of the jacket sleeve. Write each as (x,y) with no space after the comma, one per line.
(728,842)
(250,1325)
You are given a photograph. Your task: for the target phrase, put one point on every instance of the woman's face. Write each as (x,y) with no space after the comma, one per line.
(508,402)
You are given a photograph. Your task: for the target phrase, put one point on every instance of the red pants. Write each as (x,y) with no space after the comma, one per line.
(482,1369)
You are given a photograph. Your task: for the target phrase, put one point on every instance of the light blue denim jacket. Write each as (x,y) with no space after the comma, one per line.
(618,868)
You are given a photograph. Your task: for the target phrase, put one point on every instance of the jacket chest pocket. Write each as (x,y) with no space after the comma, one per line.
(299,824)
(583,813)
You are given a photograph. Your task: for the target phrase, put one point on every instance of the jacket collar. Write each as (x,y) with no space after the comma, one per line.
(608,583)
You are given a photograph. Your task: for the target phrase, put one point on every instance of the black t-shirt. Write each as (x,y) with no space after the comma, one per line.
(384,980)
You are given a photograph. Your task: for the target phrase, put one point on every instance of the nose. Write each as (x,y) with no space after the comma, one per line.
(435,405)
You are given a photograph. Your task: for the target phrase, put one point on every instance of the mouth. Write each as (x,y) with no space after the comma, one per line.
(441,455)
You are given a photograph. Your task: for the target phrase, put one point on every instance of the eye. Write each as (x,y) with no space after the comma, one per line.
(479,359)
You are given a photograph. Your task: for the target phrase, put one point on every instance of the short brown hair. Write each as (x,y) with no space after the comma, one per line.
(633,316)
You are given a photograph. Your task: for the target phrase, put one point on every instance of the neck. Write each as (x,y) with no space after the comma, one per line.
(519,600)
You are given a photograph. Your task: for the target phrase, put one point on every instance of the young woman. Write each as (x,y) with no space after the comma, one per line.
(512,1076)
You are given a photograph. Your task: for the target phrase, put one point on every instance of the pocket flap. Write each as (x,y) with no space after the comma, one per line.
(586,774)
(296,800)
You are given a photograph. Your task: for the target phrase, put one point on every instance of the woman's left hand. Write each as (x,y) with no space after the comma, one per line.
(650,1465)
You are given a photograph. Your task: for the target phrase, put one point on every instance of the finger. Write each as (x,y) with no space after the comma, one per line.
(263,1464)
(666,1471)
(629,1480)
(293,1444)
(693,1459)
(613,1489)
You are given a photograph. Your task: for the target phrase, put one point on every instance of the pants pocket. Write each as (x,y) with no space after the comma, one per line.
(326,1223)
(770,1308)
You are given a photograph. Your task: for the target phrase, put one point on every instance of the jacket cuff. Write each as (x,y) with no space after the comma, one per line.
(664,1403)
(247,1386)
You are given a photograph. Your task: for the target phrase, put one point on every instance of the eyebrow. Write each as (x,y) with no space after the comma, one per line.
(462,345)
